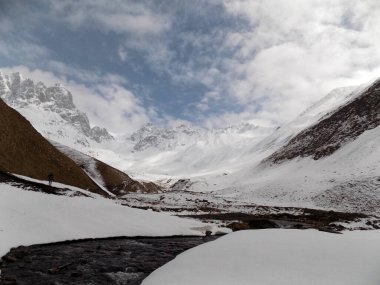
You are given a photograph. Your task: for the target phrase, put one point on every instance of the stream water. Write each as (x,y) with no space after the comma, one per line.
(99,261)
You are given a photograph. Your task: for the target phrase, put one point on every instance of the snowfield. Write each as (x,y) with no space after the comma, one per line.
(283,257)
(28,218)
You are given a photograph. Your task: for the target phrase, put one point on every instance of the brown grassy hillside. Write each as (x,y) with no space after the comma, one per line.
(120,183)
(24,151)
(114,180)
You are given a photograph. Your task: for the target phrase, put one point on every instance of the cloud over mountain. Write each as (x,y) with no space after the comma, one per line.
(208,62)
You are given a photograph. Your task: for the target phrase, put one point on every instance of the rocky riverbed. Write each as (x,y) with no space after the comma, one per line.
(101,261)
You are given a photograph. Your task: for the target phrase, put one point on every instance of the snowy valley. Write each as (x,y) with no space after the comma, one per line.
(222,142)
(245,161)
(320,171)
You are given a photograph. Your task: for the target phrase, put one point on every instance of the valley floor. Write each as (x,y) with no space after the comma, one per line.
(61,217)
(111,261)
(237,214)
(266,256)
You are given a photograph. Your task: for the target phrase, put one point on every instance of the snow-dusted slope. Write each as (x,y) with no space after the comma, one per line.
(183,150)
(50,110)
(163,139)
(334,130)
(310,116)
(188,152)
(346,177)
(348,180)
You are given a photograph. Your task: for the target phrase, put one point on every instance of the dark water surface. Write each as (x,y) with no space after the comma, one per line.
(100,261)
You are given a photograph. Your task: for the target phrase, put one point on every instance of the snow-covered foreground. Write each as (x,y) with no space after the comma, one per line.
(28,217)
(269,257)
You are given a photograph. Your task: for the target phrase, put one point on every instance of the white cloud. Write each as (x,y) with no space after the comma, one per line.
(207,99)
(291,53)
(117,16)
(139,26)
(122,53)
(84,75)
(281,57)
(21,50)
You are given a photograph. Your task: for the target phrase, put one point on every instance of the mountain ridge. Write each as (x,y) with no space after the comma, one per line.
(345,124)
(55,102)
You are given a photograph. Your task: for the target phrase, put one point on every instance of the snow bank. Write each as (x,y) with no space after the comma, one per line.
(268,257)
(28,217)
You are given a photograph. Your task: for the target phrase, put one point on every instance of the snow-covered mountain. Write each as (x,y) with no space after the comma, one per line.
(332,161)
(359,112)
(51,111)
(328,153)
(151,136)
(183,150)
(311,115)
(24,151)
(194,152)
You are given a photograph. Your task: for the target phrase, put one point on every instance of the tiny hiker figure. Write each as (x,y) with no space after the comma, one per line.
(50,178)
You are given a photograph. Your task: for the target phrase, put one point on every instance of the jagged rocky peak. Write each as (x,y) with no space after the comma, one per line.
(150,130)
(19,93)
(60,95)
(4,88)
(100,134)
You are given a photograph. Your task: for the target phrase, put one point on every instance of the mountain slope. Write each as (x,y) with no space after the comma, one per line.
(332,161)
(182,150)
(310,116)
(24,151)
(342,126)
(108,177)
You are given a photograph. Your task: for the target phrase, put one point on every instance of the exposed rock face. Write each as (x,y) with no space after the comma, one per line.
(151,136)
(181,184)
(100,134)
(342,126)
(24,151)
(19,92)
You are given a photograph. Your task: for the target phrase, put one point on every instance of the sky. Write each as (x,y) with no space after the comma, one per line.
(208,63)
